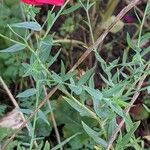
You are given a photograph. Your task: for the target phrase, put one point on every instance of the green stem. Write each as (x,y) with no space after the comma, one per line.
(90,26)
(142,24)
(56,17)
(35,118)
(9,39)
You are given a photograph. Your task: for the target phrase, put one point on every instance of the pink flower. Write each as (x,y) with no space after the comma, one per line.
(128,18)
(44,2)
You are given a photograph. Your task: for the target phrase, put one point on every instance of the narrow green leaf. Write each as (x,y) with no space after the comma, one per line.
(116,108)
(14,48)
(43,116)
(63,70)
(26,111)
(76,89)
(148,89)
(148,8)
(54,58)
(65,142)
(93,92)
(71,9)
(27,93)
(91,82)
(84,111)
(86,76)
(57,78)
(28,25)
(125,140)
(47,146)
(94,135)
(50,18)
(45,48)
(145,38)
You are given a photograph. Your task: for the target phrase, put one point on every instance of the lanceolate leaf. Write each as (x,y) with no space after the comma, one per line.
(125,140)
(94,135)
(84,111)
(86,77)
(28,25)
(14,48)
(71,9)
(27,93)
(47,146)
(64,142)
(93,92)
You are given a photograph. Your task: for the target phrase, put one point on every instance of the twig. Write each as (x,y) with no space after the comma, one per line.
(81,59)
(53,120)
(15,103)
(12,99)
(134,98)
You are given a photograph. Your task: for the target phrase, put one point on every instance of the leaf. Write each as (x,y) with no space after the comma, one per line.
(94,135)
(47,146)
(125,140)
(69,75)
(28,25)
(86,76)
(45,48)
(54,58)
(50,18)
(112,127)
(148,89)
(131,45)
(94,93)
(65,142)
(91,82)
(26,111)
(71,9)
(75,88)
(147,109)
(27,93)
(114,91)
(106,81)
(115,107)
(129,41)
(14,48)
(63,70)
(148,8)
(43,116)
(57,78)
(145,38)
(84,111)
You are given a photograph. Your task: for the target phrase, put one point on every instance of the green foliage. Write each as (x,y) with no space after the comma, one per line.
(28,56)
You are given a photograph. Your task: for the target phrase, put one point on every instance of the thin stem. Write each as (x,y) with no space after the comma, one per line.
(47,17)
(35,118)
(56,17)
(15,32)
(9,39)
(53,120)
(142,24)
(70,41)
(90,26)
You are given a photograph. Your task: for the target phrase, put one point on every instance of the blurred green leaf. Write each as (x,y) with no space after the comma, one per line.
(28,25)
(94,135)
(14,48)
(27,93)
